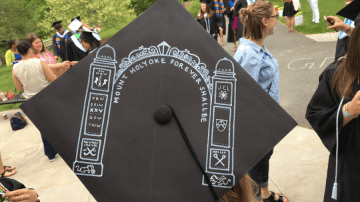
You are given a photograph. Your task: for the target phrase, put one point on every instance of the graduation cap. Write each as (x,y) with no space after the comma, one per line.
(56,24)
(78,18)
(87,35)
(205,1)
(350,11)
(147,116)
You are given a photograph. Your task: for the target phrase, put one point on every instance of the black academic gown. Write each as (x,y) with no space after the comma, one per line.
(342,44)
(321,114)
(62,52)
(223,20)
(239,5)
(215,23)
(74,50)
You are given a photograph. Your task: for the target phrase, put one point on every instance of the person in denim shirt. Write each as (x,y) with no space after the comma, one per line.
(259,20)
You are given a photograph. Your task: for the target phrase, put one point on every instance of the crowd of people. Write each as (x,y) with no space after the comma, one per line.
(338,89)
(34,68)
(332,111)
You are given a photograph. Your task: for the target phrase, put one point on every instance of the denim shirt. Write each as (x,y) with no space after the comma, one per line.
(260,65)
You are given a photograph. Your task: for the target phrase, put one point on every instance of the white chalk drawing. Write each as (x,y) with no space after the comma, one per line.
(306,64)
(221,133)
(31,149)
(221,124)
(102,80)
(326,60)
(223,95)
(96,113)
(221,181)
(165,50)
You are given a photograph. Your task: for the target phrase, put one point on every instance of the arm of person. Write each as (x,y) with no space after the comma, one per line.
(22,195)
(18,84)
(47,71)
(322,112)
(353,108)
(57,66)
(339,25)
(87,26)
(237,8)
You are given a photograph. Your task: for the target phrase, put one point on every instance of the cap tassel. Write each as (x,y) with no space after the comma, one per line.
(334,191)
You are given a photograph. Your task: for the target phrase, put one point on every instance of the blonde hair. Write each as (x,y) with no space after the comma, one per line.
(252,17)
(244,190)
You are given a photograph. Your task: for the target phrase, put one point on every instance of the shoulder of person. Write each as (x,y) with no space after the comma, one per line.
(247,55)
(330,70)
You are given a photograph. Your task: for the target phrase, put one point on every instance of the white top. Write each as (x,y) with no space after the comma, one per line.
(31,75)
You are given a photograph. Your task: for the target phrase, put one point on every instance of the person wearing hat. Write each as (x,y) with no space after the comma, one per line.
(88,28)
(352,16)
(59,40)
(333,113)
(77,49)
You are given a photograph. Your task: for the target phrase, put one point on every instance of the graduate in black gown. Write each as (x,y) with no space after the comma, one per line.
(77,49)
(340,79)
(209,20)
(232,11)
(59,40)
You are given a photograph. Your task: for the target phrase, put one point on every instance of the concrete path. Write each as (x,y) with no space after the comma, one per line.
(297,168)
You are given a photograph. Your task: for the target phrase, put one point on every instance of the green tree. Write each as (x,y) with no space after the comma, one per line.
(39,8)
(106,13)
(15,19)
(140,6)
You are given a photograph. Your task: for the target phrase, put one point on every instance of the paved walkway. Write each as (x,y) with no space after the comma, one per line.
(297,168)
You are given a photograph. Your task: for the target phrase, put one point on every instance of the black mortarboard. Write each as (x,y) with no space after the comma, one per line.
(56,24)
(110,117)
(88,35)
(78,18)
(205,1)
(351,10)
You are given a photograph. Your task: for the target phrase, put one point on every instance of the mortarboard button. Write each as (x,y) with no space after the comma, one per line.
(163,114)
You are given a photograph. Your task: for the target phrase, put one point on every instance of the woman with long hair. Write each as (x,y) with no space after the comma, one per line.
(30,76)
(209,20)
(40,52)
(333,113)
(259,20)
(243,191)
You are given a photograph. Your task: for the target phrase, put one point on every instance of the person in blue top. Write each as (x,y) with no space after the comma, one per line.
(59,41)
(259,20)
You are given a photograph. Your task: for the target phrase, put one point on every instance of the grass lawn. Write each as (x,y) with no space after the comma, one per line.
(328,7)
(7,84)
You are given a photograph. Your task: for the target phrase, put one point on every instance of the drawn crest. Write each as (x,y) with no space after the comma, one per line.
(221,124)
